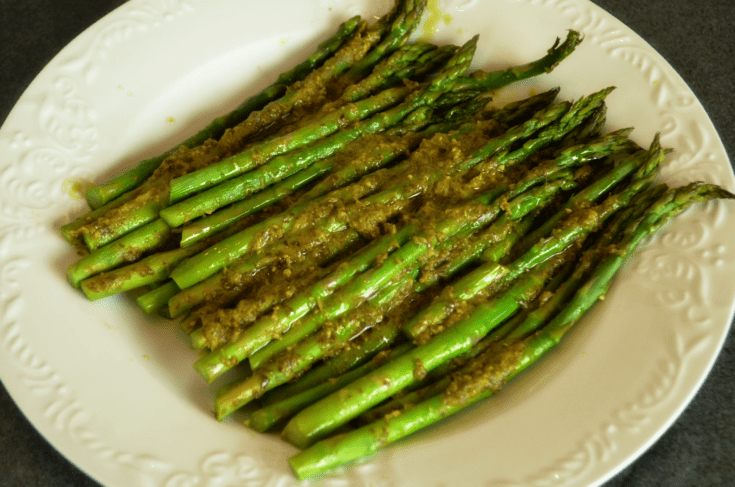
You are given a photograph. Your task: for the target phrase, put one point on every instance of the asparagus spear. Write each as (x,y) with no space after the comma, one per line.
(157,298)
(216,257)
(373,154)
(155,191)
(457,221)
(511,114)
(285,367)
(189,297)
(106,192)
(152,207)
(402,64)
(642,163)
(578,224)
(237,395)
(260,200)
(149,216)
(287,400)
(374,341)
(209,225)
(126,249)
(98,268)
(72,231)
(150,270)
(484,81)
(384,153)
(329,124)
(219,361)
(497,366)
(561,293)
(615,140)
(144,207)
(269,416)
(277,168)
(287,164)
(404,401)
(336,450)
(377,154)
(488,81)
(496,242)
(403,20)
(312,423)
(556,122)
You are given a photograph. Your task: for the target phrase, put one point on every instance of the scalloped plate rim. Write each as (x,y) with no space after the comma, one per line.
(692,388)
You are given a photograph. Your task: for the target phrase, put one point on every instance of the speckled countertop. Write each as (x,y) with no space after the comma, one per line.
(696,37)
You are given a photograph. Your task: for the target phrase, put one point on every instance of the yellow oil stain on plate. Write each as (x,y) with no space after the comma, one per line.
(431,24)
(76,188)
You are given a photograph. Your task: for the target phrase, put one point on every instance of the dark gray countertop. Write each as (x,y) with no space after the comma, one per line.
(696,37)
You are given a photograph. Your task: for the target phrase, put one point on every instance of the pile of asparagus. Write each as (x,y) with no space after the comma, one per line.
(374,243)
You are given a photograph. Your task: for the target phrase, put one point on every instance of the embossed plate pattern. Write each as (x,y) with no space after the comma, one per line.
(114,391)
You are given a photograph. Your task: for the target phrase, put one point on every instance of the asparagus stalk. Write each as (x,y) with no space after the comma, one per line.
(216,257)
(237,395)
(72,231)
(378,153)
(402,64)
(489,246)
(104,268)
(560,294)
(269,416)
(556,122)
(642,163)
(152,208)
(287,164)
(403,20)
(266,173)
(330,123)
(206,226)
(498,230)
(250,264)
(127,217)
(222,322)
(320,419)
(614,140)
(126,249)
(507,139)
(198,340)
(150,270)
(405,401)
(489,81)
(578,155)
(106,192)
(511,114)
(578,224)
(287,366)
(496,369)
(374,341)
(157,298)
(219,361)
(155,191)
(609,145)
(369,283)
(501,364)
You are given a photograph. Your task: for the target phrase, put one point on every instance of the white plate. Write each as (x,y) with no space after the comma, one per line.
(114,391)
